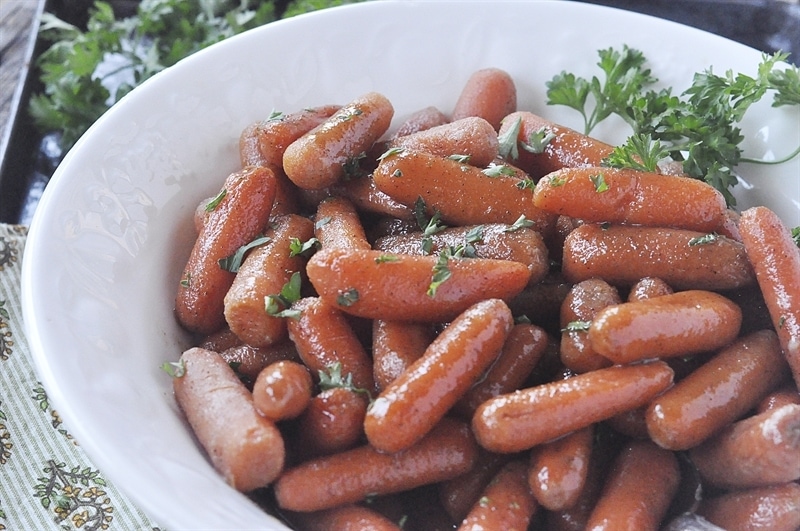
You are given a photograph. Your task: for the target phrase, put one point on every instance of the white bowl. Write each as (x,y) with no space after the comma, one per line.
(114,227)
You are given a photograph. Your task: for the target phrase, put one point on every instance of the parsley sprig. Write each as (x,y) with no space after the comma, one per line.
(699,128)
(86,71)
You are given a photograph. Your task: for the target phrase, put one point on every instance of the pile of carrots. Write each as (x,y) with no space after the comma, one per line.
(571,346)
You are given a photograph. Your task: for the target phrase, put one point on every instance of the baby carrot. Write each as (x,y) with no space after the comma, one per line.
(263,272)
(245,447)
(776,260)
(349,477)
(718,392)
(558,469)
(528,417)
(324,337)
(421,120)
(684,323)
(492,240)
(641,484)
(338,225)
(318,158)
(584,300)
(332,422)
(235,220)
(411,405)
(472,137)
(773,508)
(462,194)
(489,93)
(282,390)
(458,495)
(264,142)
(395,346)
(505,504)
(684,259)
(566,148)
(388,286)
(629,196)
(524,347)
(344,518)
(757,451)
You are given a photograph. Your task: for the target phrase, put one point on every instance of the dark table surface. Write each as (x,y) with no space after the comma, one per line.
(767,25)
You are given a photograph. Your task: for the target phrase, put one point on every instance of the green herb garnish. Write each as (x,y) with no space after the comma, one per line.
(577,326)
(699,128)
(233,262)
(279,305)
(347,298)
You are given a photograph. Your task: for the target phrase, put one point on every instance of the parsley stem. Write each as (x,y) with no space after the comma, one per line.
(787,158)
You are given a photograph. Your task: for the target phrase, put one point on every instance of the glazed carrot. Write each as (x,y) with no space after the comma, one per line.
(582,304)
(410,406)
(264,142)
(773,508)
(282,390)
(493,240)
(719,392)
(776,260)
(613,195)
(463,194)
(246,448)
(473,137)
(264,272)
(395,346)
(338,225)
(247,361)
(567,148)
(785,395)
(459,494)
(684,259)
(631,423)
(684,323)
(421,120)
(575,517)
(641,484)
(380,285)
(220,340)
(758,451)
(558,469)
(541,302)
(647,288)
(363,193)
(332,422)
(318,158)
(344,518)
(506,503)
(489,93)
(349,477)
(523,419)
(240,215)
(324,337)
(522,350)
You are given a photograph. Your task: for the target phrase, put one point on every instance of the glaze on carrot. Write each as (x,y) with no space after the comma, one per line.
(776,260)
(241,214)
(379,285)
(246,448)
(413,404)
(528,417)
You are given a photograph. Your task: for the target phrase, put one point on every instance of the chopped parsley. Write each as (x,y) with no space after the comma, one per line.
(233,262)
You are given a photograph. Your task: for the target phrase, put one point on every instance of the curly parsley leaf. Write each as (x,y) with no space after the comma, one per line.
(279,305)
(625,76)
(85,72)
(699,128)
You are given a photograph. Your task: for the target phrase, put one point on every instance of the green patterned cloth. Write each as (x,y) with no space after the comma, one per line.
(46,480)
